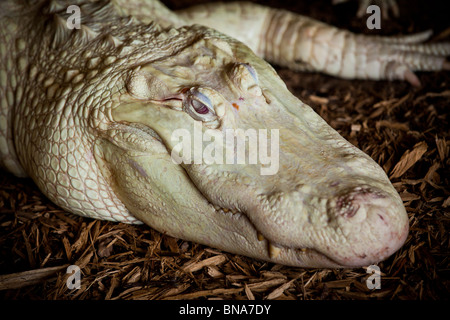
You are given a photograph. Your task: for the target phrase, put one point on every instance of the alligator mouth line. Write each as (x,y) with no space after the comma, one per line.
(274,250)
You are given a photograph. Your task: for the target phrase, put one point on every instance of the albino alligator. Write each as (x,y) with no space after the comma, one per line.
(88,114)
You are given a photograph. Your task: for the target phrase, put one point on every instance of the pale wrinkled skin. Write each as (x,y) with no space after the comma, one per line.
(94,111)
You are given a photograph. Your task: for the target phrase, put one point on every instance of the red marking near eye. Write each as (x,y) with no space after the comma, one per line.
(236,106)
(241,99)
(184,90)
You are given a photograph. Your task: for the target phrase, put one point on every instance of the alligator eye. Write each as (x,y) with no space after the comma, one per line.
(145,86)
(245,78)
(252,72)
(198,106)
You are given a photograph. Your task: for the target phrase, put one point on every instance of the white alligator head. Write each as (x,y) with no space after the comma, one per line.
(314,200)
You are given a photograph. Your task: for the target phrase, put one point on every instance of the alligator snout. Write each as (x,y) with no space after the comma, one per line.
(373,225)
(357,226)
(349,204)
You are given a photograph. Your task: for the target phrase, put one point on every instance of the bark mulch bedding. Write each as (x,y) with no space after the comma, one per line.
(405,129)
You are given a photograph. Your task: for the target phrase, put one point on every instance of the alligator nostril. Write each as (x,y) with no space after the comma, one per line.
(374,224)
(348,204)
(346,207)
(382,219)
(350,211)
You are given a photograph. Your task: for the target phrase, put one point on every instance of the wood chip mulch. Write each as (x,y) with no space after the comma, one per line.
(405,129)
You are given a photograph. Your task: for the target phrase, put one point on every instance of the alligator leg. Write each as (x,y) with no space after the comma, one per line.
(302,43)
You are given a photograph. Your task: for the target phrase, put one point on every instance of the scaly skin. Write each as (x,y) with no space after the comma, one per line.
(89,115)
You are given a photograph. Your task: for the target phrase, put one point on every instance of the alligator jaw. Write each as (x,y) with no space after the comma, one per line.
(295,256)
(312,257)
(360,212)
